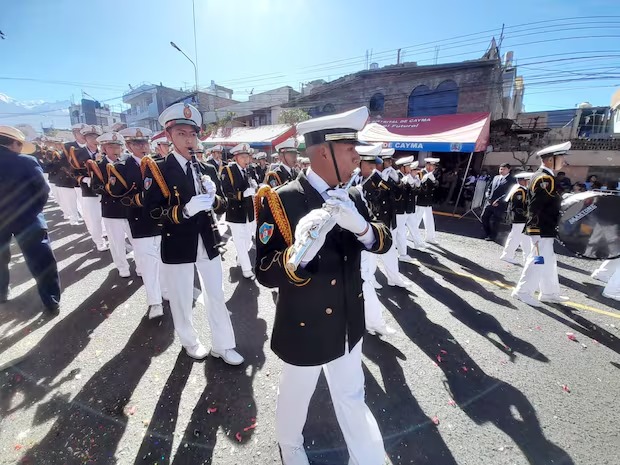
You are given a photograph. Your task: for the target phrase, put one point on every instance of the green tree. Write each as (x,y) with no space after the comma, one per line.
(293,116)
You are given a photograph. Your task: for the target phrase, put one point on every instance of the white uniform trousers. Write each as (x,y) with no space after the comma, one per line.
(147,252)
(390,263)
(79,197)
(515,239)
(541,277)
(426,214)
(606,270)
(91,212)
(67,199)
(54,189)
(408,222)
(413,226)
(242,238)
(117,229)
(373,310)
(612,289)
(346,386)
(180,285)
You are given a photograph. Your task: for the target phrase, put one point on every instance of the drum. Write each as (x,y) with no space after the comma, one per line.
(590,225)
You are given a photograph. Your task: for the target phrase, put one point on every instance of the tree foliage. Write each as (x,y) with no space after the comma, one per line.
(293,116)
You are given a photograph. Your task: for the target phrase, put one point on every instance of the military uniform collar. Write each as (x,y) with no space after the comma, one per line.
(289,170)
(548,170)
(181,160)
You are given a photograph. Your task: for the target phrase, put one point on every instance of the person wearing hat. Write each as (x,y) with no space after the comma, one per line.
(113,212)
(90,201)
(260,169)
(145,230)
(405,209)
(239,188)
(66,181)
(285,171)
(496,201)
(517,206)
(162,147)
(426,198)
(319,321)
(23,194)
(540,272)
(215,158)
(182,194)
(373,310)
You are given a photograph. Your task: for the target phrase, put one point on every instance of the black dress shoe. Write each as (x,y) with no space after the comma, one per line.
(53,308)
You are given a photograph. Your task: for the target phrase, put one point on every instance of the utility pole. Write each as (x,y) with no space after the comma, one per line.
(398,57)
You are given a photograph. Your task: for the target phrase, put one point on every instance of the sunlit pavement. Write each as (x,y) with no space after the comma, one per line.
(471,377)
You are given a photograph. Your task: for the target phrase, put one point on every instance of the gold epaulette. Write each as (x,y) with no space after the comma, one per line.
(159,178)
(94,167)
(277,210)
(144,163)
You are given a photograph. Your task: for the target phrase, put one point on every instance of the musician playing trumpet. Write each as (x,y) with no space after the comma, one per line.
(319,320)
(182,194)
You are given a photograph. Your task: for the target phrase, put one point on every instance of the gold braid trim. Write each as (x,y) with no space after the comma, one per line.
(136,199)
(296,280)
(159,178)
(113,171)
(230,176)
(277,210)
(144,163)
(275,175)
(72,160)
(91,165)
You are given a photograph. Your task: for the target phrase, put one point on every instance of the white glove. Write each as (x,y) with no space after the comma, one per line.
(249,192)
(430,176)
(253,184)
(209,185)
(394,175)
(385,174)
(319,220)
(198,203)
(86,180)
(345,213)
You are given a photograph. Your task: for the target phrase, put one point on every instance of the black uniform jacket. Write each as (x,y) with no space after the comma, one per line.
(111,207)
(400,198)
(240,209)
(213,163)
(380,196)
(167,189)
(80,157)
(125,183)
(278,176)
(319,307)
(518,204)
(65,176)
(49,162)
(426,194)
(543,205)
(258,173)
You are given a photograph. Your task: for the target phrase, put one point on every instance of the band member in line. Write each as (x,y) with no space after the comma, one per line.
(517,205)
(285,171)
(319,320)
(215,158)
(182,194)
(426,198)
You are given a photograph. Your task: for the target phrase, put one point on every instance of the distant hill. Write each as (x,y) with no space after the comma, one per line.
(34,113)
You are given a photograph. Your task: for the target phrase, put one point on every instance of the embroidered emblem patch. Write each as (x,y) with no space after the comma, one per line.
(187,112)
(112,180)
(544,184)
(147,183)
(265,232)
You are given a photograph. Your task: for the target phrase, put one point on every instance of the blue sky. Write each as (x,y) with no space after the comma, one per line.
(101,47)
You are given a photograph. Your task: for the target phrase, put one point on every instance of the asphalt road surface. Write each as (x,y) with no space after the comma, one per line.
(471,377)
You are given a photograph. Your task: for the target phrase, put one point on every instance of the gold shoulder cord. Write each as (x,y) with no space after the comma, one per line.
(92,165)
(159,178)
(277,210)
(72,160)
(115,173)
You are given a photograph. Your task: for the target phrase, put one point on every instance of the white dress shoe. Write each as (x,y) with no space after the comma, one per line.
(397,284)
(376,285)
(405,258)
(230,356)
(509,260)
(197,351)
(554,299)
(527,299)
(124,274)
(383,330)
(434,242)
(155,311)
(612,296)
(249,275)
(103,247)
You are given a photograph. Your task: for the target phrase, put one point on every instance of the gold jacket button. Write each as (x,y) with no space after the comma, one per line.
(302,324)
(333,282)
(329,311)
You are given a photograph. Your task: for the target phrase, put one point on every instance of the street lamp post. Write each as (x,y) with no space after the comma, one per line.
(195,72)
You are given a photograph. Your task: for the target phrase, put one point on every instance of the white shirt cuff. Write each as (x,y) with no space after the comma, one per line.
(368,238)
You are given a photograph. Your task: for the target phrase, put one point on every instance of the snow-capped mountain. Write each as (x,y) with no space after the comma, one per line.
(36,113)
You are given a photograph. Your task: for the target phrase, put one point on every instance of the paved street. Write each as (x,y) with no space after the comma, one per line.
(472,377)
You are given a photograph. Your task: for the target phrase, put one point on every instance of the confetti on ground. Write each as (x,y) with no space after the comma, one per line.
(452,403)
(131,410)
(238,437)
(465,369)
(252,426)
(538,328)
(565,388)
(443,352)
(571,336)
(436,420)
(211,410)
(439,358)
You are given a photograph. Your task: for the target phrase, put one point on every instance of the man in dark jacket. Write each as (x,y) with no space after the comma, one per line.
(496,203)
(426,199)
(540,272)
(23,194)
(319,320)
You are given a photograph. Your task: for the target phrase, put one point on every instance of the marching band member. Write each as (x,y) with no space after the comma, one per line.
(543,213)
(90,201)
(79,143)
(113,212)
(125,180)
(239,188)
(260,170)
(67,184)
(606,270)
(162,147)
(285,171)
(405,205)
(319,320)
(181,193)
(215,158)
(517,198)
(426,198)
(612,289)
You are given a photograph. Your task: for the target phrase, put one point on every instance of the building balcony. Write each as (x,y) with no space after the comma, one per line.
(149,112)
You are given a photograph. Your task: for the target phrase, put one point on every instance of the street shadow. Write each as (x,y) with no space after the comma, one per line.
(35,375)
(593,291)
(483,398)
(566,266)
(408,434)
(483,323)
(229,392)
(473,267)
(89,427)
